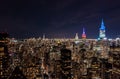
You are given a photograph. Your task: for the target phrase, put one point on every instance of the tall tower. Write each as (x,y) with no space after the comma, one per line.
(43,36)
(102,30)
(83,34)
(76,36)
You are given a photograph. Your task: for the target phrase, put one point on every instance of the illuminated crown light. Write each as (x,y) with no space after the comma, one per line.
(83,36)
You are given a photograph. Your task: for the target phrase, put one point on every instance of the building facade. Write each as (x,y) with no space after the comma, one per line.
(4,56)
(65,64)
(83,34)
(102,34)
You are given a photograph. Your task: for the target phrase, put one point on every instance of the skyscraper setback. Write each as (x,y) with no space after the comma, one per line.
(83,34)
(102,34)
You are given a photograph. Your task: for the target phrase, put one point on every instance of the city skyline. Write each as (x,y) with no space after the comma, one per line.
(23,19)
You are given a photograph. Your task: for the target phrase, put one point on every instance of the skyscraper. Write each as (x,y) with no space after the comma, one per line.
(76,36)
(83,34)
(4,56)
(102,34)
(66,63)
(17,74)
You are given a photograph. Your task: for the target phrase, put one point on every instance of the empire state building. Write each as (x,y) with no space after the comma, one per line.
(102,34)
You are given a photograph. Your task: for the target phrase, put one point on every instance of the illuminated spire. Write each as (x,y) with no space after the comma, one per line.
(76,36)
(43,36)
(102,30)
(83,34)
(102,25)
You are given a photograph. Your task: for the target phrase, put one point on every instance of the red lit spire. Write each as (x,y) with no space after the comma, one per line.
(83,34)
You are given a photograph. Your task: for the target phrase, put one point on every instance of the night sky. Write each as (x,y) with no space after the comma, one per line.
(59,18)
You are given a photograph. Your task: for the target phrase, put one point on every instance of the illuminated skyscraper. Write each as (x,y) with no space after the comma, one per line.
(83,34)
(76,36)
(43,36)
(102,30)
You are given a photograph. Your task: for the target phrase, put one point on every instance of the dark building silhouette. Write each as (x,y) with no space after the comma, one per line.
(65,64)
(115,54)
(116,65)
(94,70)
(17,74)
(57,68)
(4,56)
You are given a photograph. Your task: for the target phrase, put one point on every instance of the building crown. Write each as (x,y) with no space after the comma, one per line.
(102,25)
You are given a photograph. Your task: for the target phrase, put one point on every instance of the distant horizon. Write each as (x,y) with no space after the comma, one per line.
(33,18)
(57,37)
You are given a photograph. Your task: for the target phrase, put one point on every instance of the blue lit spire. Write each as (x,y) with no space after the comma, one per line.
(83,30)
(102,34)
(102,25)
